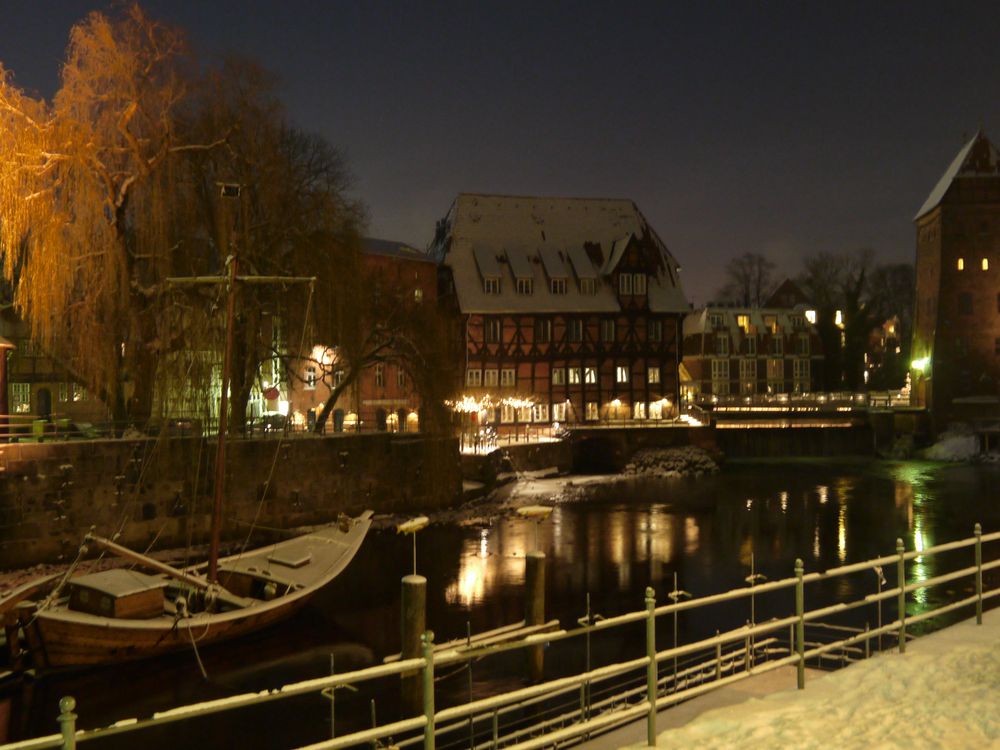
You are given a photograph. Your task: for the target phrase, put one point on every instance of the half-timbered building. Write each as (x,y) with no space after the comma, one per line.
(570,310)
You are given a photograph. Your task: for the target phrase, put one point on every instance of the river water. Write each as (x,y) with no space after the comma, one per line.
(611,543)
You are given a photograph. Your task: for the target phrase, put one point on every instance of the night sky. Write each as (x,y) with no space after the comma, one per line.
(781,128)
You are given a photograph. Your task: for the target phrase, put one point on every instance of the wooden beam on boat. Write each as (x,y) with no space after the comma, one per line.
(162,567)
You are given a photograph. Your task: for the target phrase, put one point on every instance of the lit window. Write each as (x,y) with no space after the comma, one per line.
(20,398)
(574,376)
(508,377)
(775,369)
(524,414)
(986,264)
(625,283)
(590,375)
(558,376)
(63,392)
(811,316)
(559,412)
(380,374)
(592,412)
(639,283)
(79,393)
(507,413)
(540,412)
(490,377)
(525,286)
(418,295)
(557,286)
(338,378)
(310,379)
(621,374)
(474,377)
(639,410)
(653,375)
(961,264)
(743,321)
(491,285)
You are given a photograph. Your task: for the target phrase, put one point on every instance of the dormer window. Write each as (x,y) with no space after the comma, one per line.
(491,285)
(557,286)
(639,283)
(716,320)
(625,284)
(588,286)
(525,286)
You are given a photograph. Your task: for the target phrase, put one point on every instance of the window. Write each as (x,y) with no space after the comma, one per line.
(750,344)
(80,393)
(639,410)
(798,322)
(965,303)
(338,378)
(492,330)
(310,379)
(574,376)
(557,286)
(721,343)
(525,286)
(608,330)
(20,394)
(639,283)
(575,329)
(590,375)
(558,376)
(543,331)
(621,374)
(588,286)
(720,369)
(524,414)
(654,330)
(380,375)
(63,391)
(491,285)
(507,413)
(748,369)
(653,375)
(800,369)
(559,412)
(778,345)
(490,377)
(771,323)
(803,344)
(418,295)
(986,264)
(720,387)
(625,283)
(775,369)
(717,320)
(508,377)
(591,412)
(960,265)
(474,378)
(540,413)
(401,377)
(743,321)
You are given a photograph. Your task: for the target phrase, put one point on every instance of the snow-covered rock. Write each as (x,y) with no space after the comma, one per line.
(958,443)
(670,462)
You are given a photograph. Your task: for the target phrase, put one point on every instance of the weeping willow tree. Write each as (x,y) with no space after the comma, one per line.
(89,198)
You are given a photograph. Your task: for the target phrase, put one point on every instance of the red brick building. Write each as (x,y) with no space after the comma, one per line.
(570,310)
(383,396)
(956,330)
(731,351)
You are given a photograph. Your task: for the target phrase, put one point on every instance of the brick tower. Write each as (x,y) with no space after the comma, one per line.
(956,330)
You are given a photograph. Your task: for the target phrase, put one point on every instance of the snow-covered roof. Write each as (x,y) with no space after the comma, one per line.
(978,158)
(700,321)
(392,249)
(572,238)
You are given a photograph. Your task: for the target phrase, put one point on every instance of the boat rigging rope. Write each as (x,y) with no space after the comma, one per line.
(281,437)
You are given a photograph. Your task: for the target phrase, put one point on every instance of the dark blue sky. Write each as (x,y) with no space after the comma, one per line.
(781,128)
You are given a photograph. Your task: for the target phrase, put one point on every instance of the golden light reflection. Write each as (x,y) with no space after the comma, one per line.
(824,494)
(816,542)
(842,533)
(469,587)
(784,501)
(692,532)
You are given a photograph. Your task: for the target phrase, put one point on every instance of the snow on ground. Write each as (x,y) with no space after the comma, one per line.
(954,445)
(942,693)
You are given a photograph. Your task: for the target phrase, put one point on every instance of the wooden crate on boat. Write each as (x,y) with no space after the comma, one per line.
(126,594)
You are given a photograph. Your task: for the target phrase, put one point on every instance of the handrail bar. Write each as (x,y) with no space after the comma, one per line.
(913,554)
(369,735)
(730,595)
(815,614)
(943,578)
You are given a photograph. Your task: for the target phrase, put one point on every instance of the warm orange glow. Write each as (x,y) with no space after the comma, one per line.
(961,264)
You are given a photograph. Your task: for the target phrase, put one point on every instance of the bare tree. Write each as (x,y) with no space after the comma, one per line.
(749,280)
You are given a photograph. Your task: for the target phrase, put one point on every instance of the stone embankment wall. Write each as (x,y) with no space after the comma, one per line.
(158,493)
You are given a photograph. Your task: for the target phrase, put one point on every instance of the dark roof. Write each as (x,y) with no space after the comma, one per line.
(392,249)
(978,158)
(788,294)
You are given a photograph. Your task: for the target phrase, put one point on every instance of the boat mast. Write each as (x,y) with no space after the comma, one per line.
(227,191)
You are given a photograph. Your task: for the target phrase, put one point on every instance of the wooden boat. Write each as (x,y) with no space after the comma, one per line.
(123,614)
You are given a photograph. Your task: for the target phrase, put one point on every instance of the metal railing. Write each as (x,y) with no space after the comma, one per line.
(603,697)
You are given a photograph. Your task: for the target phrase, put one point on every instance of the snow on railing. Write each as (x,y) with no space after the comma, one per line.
(697,667)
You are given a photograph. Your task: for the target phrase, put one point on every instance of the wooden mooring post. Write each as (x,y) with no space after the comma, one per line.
(414,624)
(534,609)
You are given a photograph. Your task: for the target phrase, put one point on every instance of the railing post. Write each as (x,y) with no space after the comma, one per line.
(901,598)
(800,625)
(718,659)
(67,722)
(427,641)
(979,574)
(651,667)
